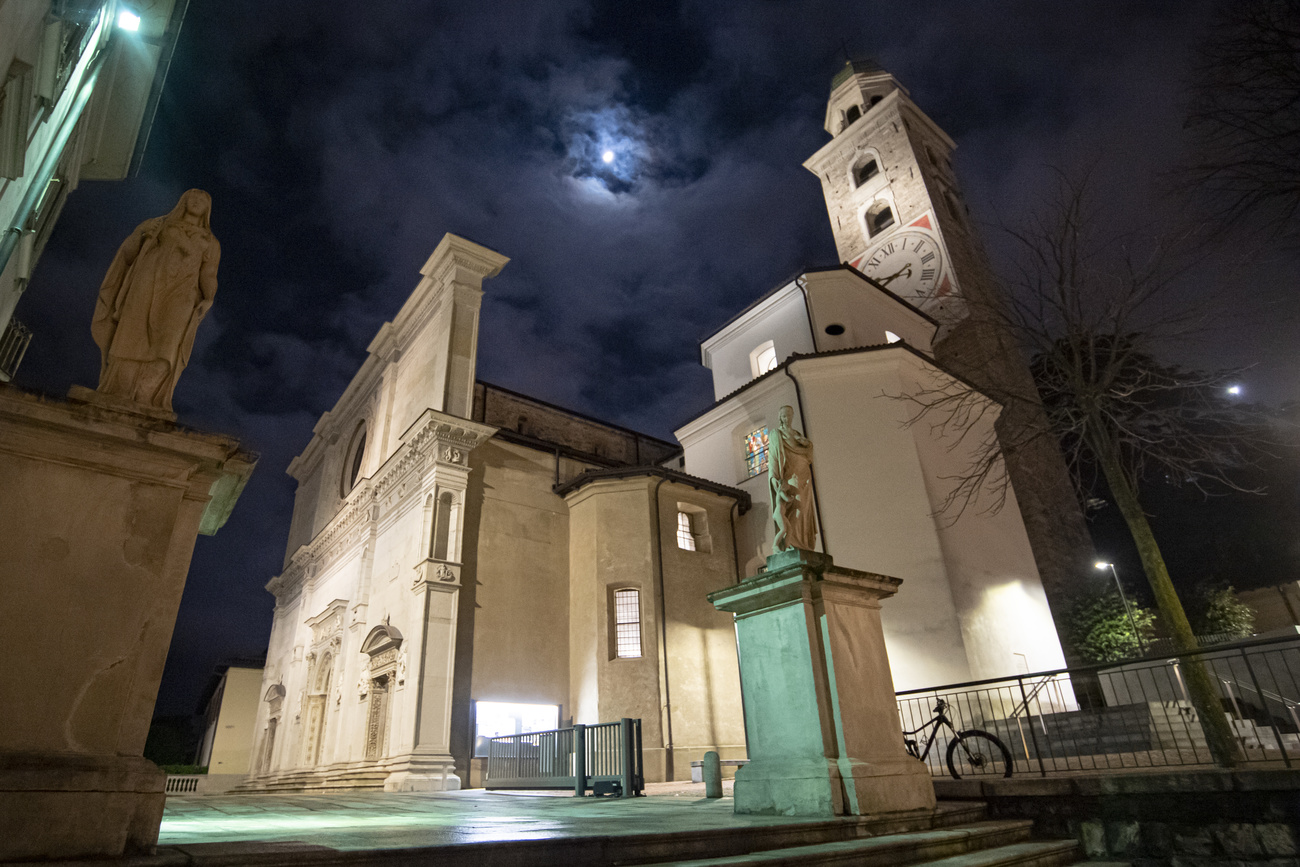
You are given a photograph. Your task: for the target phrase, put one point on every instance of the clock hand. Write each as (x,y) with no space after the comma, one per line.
(885,281)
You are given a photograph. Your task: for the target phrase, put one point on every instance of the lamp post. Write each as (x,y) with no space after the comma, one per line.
(1127,610)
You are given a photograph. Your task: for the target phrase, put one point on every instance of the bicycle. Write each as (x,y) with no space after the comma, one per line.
(983,752)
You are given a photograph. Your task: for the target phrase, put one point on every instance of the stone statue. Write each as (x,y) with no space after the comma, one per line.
(156,292)
(789,473)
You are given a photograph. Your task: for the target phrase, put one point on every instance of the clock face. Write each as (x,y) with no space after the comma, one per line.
(909,263)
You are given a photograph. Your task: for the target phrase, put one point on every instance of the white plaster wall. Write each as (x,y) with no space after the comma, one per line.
(713,448)
(874,501)
(841,297)
(781,318)
(995,583)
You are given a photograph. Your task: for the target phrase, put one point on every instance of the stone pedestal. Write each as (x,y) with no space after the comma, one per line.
(822,722)
(99,510)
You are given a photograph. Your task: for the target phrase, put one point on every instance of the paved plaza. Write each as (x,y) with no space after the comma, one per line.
(370,820)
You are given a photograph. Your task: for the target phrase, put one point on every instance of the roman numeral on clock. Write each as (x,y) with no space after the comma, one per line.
(927,273)
(925,260)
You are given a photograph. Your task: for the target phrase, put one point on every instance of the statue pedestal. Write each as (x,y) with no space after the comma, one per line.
(100,509)
(821,718)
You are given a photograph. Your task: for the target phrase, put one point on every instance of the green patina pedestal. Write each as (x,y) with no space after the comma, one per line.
(822,723)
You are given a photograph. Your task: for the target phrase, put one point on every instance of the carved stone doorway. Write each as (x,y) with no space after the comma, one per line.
(387,669)
(377,718)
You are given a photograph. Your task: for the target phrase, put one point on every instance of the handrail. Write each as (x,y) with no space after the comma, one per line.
(1106,666)
(1289,703)
(1024,705)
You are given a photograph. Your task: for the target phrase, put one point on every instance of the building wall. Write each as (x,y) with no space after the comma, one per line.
(514,608)
(685,686)
(782,317)
(98,138)
(971,596)
(703,676)
(232,743)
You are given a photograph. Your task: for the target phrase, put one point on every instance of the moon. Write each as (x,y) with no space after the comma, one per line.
(607,156)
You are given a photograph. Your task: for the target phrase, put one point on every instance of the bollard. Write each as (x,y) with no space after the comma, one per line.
(712,771)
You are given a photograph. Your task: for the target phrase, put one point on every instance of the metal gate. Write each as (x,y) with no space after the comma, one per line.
(576,758)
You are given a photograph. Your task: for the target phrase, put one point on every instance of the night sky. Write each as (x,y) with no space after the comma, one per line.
(341,141)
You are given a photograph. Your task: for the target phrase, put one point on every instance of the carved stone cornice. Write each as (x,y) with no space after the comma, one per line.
(434,574)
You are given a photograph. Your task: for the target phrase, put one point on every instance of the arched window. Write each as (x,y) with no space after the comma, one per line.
(875,99)
(762,358)
(356,455)
(879,217)
(854,112)
(442,526)
(865,170)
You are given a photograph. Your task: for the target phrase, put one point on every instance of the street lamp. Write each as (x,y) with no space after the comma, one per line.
(1127,610)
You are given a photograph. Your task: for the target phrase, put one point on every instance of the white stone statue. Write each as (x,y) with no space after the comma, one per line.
(789,473)
(159,287)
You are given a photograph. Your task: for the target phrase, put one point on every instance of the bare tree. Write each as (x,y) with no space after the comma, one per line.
(1090,313)
(1244,117)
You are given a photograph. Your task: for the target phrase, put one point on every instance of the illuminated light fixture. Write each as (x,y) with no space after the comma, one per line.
(128,21)
(1234,389)
(607,156)
(1101,565)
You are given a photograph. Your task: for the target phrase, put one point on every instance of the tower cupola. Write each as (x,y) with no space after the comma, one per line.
(855,90)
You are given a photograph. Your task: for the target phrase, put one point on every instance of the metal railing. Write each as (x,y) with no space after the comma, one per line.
(605,756)
(1135,714)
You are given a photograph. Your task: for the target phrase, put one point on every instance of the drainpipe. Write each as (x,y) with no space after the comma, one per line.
(817,506)
(663,632)
(41,179)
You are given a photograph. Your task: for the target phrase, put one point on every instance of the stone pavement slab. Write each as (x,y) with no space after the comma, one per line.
(370,820)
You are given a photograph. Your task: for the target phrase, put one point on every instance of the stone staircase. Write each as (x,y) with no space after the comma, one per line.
(975,842)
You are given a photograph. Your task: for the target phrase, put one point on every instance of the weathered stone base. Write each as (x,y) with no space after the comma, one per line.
(423,772)
(824,735)
(71,806)
(1155,819)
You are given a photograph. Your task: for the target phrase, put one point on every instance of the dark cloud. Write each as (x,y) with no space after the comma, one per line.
(340,141)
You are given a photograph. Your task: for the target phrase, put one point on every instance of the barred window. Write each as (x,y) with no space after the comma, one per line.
(756,452)
(627,624)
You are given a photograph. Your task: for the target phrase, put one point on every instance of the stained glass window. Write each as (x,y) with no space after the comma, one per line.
(756,452)
(627,624)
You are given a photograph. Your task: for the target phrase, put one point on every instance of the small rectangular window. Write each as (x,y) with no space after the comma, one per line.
(627,624)
(685,535)
(756,452)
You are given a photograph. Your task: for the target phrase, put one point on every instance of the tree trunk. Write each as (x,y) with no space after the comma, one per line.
(1200,686)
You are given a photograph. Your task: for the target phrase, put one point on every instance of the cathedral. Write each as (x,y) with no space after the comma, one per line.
(465,561)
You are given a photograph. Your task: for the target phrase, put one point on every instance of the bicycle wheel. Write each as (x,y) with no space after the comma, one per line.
(977,753)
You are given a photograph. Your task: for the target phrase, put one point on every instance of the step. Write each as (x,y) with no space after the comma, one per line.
(916,847)
(1032,853)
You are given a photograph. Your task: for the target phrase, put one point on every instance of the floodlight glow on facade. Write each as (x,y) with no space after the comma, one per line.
(128,20)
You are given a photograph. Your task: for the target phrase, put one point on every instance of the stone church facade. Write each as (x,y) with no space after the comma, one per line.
(465,561)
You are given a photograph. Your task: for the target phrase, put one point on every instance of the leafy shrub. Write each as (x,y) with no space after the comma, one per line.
(1100,630)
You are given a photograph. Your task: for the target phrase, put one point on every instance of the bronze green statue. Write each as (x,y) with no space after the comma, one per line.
(159,287)
(789,473)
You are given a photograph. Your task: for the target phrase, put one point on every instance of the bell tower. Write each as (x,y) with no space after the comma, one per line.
(898,216)
(894,204)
